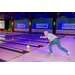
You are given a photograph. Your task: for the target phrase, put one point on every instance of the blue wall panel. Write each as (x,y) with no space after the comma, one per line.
(24,21)
(43,20)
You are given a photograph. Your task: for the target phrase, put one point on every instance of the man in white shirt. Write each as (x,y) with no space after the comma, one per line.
(53,40)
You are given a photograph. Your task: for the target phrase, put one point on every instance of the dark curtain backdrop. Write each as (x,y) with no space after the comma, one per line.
(6,24)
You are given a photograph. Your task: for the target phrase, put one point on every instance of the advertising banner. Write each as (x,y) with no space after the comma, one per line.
(42,25)
(21,26)
(68,26)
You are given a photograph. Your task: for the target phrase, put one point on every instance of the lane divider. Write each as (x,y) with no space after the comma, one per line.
(22,43)
(26,39)
(14,49)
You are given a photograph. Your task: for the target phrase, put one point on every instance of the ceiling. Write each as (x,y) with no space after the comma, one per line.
(21,15)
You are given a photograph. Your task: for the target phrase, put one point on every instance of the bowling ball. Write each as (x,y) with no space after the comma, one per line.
(28,46)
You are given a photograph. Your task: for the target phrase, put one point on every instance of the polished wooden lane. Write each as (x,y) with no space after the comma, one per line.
(19,46)
(27,35)
(27,39)
(23,41)
(30,38)
(8,54)
(41,54)
(22,46)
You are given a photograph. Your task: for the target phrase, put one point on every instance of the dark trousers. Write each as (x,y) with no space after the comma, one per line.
(57,42)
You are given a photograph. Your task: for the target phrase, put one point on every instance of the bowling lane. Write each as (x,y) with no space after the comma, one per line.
(18,46)
(33,39)
(24,41)
(8,55)
(36,38)
(35,34)
(28,37)
(21,34)
(23,38)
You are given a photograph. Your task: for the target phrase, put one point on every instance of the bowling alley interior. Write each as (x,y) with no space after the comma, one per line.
(20,36)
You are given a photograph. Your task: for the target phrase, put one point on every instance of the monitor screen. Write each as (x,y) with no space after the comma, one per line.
(2,25)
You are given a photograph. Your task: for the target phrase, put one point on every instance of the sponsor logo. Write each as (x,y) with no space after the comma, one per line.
(20,25)
(42,25)
(68,26)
